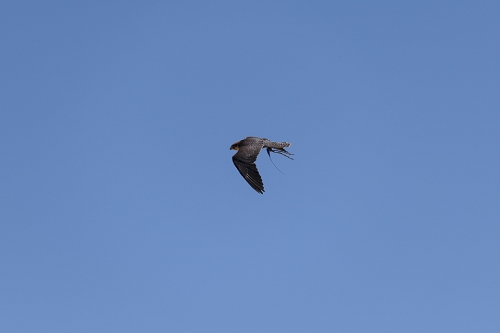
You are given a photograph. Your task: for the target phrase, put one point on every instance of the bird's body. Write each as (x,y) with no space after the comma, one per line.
(248,150)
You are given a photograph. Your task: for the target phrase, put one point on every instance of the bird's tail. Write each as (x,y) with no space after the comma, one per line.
(278,145)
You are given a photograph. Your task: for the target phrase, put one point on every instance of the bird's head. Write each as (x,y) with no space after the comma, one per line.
(235,146)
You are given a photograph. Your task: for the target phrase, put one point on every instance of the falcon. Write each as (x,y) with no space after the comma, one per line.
(247,151)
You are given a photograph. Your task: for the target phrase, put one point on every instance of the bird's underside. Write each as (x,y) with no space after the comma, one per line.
(247,151)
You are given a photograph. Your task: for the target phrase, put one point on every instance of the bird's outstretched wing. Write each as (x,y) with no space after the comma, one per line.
(248,170)
(244,160)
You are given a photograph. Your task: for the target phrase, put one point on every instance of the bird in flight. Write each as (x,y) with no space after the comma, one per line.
(247,151)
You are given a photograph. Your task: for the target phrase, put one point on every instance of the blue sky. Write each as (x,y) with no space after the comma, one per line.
(121,210)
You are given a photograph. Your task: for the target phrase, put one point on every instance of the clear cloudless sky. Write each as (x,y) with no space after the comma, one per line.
(121,210)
